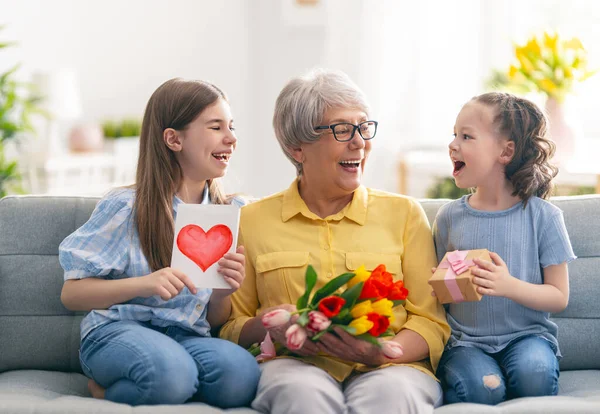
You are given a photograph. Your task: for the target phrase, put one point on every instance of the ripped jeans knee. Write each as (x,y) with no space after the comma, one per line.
(470,375)
(491,381)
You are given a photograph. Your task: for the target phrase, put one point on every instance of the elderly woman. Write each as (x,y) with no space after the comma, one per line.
(328,219)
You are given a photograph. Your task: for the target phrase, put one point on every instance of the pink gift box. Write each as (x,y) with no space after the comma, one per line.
(452,282)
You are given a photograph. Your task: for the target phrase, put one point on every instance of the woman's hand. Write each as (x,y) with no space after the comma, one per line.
(493,279)
(348,348)
(278,332)
(285,306)
(233,269)
(166,283)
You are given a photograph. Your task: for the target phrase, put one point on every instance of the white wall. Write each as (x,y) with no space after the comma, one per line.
(122,50)
(416,61)
(282,45)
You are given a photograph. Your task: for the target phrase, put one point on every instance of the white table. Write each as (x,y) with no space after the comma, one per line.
(586,161)
(79,174)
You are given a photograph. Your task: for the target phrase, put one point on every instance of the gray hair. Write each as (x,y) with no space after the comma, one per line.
(302,103)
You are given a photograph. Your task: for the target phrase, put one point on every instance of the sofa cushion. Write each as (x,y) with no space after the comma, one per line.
(43,385)
(49,342)
(37,332)
(59,392)
(579,392)
(583,383)
(578,341)
(531,405)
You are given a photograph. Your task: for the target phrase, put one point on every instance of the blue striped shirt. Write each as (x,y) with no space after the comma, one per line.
(107,246)
(528,240)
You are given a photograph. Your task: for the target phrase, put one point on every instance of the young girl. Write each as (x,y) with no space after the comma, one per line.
(147,338)
(504,346)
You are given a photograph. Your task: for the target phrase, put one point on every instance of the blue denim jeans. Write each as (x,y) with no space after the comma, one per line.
(138,363)
(527,367)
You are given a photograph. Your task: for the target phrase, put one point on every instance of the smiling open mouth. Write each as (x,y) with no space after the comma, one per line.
(222,156)
(458,165)
(350,163)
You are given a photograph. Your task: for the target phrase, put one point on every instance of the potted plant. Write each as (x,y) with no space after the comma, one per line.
(125,128)
(122,136)
(445,187)
(17,105)
(552,66)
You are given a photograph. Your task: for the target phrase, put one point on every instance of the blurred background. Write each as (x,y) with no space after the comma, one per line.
(75,77)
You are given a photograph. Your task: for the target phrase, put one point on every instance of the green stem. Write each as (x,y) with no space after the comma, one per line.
(300,311)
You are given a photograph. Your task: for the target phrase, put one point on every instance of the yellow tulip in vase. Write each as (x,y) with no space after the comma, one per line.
(550,65)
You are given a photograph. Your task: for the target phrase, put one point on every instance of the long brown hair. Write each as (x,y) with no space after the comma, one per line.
(524,123)
(175,104)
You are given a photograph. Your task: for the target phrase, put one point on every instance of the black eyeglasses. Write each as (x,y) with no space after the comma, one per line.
(344,131)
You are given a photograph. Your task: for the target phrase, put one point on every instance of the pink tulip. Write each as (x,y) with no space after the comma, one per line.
(317,321)
(295,337)
(267,349)
(275,318)
(391,349)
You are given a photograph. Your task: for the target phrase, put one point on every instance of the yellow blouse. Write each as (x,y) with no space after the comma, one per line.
(282,237)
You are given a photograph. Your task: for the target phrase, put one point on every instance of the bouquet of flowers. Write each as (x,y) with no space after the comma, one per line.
(547,64)
(364,310)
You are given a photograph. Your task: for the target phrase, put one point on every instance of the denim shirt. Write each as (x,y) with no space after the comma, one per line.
(107,246)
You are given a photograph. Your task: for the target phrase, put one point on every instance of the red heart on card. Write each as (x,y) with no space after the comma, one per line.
(204,248)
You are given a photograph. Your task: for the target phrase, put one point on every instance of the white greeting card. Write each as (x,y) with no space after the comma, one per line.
(204,233)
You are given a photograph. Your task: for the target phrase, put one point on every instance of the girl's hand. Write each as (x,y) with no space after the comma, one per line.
(348,348)
(167,283)
(233,269)
(493,279)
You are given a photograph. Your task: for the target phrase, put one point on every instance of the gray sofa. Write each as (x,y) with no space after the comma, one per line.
(39,338)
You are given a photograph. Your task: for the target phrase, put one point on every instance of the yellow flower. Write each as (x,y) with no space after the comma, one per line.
(383,307)
(362,325)
(361,274)
(522,57)
(361,309)
(546,63)
(568,72)
(551,42)
(580,62)
(574,44)
(547,86)
(533,48)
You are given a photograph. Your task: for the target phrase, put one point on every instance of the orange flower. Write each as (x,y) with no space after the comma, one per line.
(398,291)
(378,285)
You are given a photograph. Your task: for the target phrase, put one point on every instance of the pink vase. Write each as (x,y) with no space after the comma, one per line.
(564,129)
(86,138)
